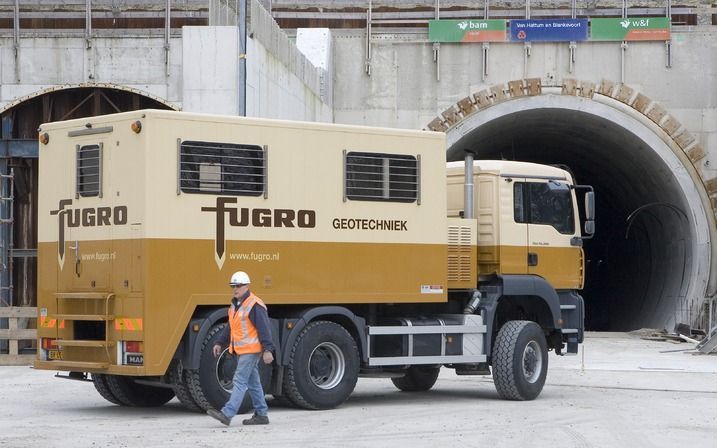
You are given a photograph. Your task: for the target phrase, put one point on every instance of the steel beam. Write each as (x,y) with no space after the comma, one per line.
(23,148)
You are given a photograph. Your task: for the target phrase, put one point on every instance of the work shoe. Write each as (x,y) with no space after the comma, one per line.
(219,416)
(256,419)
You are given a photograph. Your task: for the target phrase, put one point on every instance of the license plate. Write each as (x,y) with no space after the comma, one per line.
(54,354)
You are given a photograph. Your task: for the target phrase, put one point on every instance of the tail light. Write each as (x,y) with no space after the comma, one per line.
(133,346)
(49,344)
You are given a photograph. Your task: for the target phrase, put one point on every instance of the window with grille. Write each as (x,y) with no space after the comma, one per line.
(381,177)
(89,171)
(222,168)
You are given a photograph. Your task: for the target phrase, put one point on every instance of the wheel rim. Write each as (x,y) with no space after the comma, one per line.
(326,365)
(224,373)
(532,362)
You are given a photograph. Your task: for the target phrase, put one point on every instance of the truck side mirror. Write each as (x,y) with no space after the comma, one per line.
(589,206)
(590,227)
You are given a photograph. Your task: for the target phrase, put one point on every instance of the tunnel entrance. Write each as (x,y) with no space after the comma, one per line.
(648,264)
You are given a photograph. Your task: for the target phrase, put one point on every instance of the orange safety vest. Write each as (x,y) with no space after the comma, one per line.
(243,335)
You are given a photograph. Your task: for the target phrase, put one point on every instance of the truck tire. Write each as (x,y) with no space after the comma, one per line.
(520,360)
(211,385)
(133,394)
(283,401)
(322,367)
(417,379)
(179,379)
(100,382)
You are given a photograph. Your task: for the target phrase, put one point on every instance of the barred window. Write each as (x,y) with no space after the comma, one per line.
(381,177)
(221,168)
(89,171)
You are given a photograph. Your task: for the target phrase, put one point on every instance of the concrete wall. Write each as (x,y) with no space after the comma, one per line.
(403,90)
(45,62)
(280,81)
(211,80)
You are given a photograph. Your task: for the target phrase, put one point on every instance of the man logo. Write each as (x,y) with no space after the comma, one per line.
(257,217)
(84,217)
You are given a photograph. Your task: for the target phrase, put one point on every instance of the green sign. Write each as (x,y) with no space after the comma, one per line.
(630,28)
(467,30)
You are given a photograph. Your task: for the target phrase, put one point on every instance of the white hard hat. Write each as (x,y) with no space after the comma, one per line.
(239,278)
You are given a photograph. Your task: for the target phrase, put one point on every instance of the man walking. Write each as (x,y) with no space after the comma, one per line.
(249,337)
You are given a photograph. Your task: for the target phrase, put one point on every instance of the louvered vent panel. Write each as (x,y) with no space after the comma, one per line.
(459,253)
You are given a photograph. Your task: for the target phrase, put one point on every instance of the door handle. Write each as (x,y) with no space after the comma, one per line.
(532,259)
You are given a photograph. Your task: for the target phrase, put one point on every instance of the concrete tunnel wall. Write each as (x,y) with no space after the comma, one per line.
(651,261)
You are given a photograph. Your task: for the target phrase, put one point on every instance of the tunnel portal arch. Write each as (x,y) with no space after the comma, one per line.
(652,261)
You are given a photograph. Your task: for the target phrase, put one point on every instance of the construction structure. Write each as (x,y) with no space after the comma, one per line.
(376,63)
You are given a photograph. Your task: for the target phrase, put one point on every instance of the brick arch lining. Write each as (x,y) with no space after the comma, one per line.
(623,93)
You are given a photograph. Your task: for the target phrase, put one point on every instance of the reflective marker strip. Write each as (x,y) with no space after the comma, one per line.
(128,324)
(50,323)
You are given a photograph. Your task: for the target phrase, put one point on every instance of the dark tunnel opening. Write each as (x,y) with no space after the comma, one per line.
(639,262)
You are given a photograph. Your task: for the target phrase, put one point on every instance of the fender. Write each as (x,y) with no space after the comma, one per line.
(516,285)
(532,285)
(190,349)
(310,314)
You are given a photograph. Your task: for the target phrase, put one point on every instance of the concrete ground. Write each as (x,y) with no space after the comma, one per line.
(620,391)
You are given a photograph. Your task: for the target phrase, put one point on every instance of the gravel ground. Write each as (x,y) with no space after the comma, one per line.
(620,391)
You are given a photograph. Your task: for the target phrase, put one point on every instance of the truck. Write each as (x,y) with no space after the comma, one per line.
(375,257)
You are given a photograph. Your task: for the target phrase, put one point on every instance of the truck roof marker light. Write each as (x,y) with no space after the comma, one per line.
(136,126)
(44,138)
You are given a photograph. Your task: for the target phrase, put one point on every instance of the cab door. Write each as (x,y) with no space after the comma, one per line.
(553,251)
(514,226)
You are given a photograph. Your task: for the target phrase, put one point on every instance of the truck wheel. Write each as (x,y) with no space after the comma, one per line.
(211,385)
(417,379)
(520,360)
(179,379)
(100,382)
(130,393)
(323,366)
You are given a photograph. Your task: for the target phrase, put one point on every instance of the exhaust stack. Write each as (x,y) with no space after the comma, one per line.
(468,185)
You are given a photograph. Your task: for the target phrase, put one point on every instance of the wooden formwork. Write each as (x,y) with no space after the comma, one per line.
(14,334)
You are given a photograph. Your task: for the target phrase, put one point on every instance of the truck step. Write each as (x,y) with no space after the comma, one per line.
(84,295)
(473,369)
(84,343)
(96,317)
(80,365)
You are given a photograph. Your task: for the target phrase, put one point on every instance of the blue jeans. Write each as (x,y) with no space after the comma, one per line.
(246,377)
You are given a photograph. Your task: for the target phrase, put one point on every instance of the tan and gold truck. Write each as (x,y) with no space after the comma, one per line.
(374,256)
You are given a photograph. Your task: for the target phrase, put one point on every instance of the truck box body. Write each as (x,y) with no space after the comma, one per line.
(142,255)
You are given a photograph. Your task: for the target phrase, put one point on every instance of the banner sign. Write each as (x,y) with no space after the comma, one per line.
(630,28)
(549,30)
(493,30)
